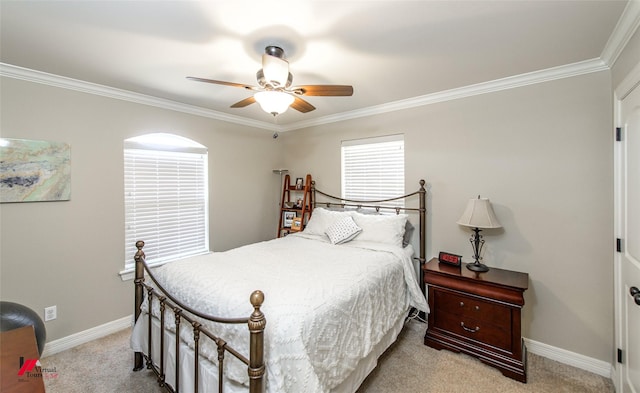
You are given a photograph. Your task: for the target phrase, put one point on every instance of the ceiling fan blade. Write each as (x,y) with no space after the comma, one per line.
(232,84)
(243,103)
(301,105)
(323,90)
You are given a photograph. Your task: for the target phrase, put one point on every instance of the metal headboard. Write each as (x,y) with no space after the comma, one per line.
(335,201)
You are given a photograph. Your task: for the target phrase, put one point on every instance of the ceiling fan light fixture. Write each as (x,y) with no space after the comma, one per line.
(274,102)
(274,93)
(275,69)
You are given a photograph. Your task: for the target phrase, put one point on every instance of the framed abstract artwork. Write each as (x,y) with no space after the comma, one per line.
(34,171)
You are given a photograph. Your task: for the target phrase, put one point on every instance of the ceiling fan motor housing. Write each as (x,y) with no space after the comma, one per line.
(262,81)
(274,51)
(274,67)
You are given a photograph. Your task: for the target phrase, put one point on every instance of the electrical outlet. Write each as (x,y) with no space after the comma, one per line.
(50,313)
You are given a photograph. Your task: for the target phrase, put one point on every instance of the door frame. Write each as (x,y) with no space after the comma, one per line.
(628,84)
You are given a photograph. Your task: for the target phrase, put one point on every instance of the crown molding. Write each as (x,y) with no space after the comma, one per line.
(625,28)
(630,82)
(622,33)
(565,71)
(16,72)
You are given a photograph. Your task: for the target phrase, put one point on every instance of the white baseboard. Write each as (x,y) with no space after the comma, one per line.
(570,358)
(554,353)
(55,346)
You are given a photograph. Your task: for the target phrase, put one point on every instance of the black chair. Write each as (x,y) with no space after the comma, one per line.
(14,315)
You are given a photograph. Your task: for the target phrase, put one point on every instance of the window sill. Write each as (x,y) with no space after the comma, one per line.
(129,273)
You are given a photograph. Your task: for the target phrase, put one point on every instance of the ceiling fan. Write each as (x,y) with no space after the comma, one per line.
(274,93)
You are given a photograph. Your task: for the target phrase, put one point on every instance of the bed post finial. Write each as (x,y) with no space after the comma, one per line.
(256,299)
(139,253)
(257,322)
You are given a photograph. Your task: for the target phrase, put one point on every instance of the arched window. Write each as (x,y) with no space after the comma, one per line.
(165,197)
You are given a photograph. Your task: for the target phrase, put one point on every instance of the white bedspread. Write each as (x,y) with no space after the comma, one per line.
(326,305)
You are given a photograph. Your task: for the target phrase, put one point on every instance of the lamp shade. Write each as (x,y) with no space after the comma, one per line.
(274,102)
(479,214)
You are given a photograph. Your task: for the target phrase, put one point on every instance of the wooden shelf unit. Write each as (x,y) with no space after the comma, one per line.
(290,195)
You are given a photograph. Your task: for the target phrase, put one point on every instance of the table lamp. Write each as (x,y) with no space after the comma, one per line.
(478,215)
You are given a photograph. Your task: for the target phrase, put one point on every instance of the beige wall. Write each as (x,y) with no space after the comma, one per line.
(543,155)
(69,253)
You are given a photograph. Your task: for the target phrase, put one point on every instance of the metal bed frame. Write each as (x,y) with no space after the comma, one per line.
(376,205)
(256,322)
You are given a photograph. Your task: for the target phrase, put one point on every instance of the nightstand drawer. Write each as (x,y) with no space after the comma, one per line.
(469,307)
(474,329)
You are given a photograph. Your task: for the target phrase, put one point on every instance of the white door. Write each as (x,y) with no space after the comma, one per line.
(628,229)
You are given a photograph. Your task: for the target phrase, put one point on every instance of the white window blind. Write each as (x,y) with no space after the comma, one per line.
(166,202)
(373,169)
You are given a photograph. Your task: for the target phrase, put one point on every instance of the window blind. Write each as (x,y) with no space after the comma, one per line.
(373,169)
(166,204)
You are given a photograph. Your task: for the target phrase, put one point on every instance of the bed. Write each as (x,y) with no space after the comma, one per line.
(309,312)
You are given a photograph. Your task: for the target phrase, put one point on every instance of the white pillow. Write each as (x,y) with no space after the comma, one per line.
(343,230)
(321,219)
(386,229)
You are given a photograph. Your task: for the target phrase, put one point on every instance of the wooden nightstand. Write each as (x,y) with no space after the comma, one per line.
(478,314)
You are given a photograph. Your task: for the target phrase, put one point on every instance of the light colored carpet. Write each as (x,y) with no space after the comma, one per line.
(105,365)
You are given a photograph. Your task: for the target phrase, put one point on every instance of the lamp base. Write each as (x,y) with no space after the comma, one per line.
(477,267)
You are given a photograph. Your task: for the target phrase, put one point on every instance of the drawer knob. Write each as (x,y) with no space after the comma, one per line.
(461,304)
(468,329)
(477,308)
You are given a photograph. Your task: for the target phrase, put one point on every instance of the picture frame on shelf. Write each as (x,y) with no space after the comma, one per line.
(299,183)
(296,224)
(287,218)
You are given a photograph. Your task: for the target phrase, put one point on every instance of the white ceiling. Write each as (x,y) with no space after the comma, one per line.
(387,50)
